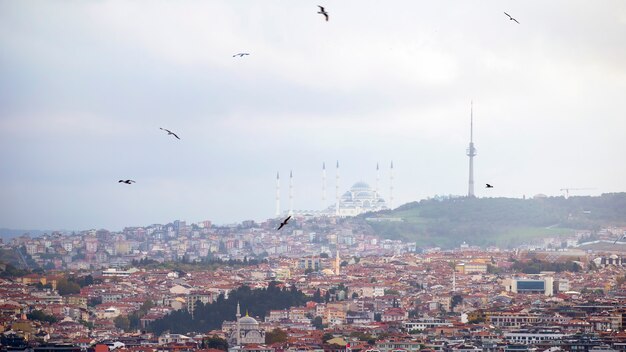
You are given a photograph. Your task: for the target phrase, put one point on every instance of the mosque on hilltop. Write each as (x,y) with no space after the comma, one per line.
(360,198)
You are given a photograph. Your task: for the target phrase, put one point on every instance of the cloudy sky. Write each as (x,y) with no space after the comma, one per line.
(85,86)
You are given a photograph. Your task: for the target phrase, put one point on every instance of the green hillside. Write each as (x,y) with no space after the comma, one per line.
(498,221)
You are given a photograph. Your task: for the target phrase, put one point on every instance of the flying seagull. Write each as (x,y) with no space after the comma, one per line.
(488,185)
(284,223)
(323,12)
(128,182)
(241,54)
(169,132)
(511,18)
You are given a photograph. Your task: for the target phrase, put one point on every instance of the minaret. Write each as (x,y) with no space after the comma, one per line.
(238,315)
(471,152)
(377,182)
(454,276)
(391,186)
(277,195)
(323,185)
(337,189)
(290,193)
(337,263)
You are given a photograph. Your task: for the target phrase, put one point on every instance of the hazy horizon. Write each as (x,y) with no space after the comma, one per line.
(86,86)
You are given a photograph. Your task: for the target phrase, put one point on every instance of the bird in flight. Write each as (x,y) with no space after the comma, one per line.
(241,54)
(488,185)
(169,132)
(128,182)
(323,12)
(511,18)
(284,223)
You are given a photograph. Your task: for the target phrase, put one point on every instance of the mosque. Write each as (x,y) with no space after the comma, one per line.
(243,331)
(360,198)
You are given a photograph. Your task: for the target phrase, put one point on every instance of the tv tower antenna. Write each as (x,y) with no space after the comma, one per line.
(471,152)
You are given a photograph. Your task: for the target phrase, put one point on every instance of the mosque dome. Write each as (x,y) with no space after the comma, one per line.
(360,186)
(359,199)
(363,195)
(248,320)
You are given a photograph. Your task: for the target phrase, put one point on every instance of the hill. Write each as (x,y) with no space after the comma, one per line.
(7,234)
(504,222)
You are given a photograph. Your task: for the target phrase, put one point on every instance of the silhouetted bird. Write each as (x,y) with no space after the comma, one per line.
(511,18)
(488,185)
(323,12)
(169,132)
(241,54)
(128,182)
(284,223)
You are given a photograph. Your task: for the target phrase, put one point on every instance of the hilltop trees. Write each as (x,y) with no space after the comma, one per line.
(210,316)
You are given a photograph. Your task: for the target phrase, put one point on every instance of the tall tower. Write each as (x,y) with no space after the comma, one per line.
(337,189)
(376,191)
(453,276)
(238,315)
(277,195)
(290,193)
(323,185)
(471,152)
(337,263)
(391,186)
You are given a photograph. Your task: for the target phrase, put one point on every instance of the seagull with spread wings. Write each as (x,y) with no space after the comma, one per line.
(241,54)
(128,182)
(323,12)
(283,223)
(511,18)
(488,185)
(169,132)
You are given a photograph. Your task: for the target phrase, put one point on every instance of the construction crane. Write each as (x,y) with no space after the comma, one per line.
(567,189)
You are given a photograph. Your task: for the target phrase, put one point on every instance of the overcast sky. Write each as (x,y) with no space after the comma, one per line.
(85,86)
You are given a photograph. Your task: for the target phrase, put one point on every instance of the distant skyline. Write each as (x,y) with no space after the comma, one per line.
(85,87)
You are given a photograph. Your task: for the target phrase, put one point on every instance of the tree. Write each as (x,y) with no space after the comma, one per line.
(275,336)
(317,296)
(324,255)
(327,336)
(122,322)
(317,323)
(378,317)
(456,300)
(257,302)
(392,292)
(145,307)
(216,342)
(94,301)
(355,295)
(65,287)
(41,316)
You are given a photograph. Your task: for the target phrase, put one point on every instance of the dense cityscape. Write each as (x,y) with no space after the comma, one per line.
(289,176)
(322,285)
